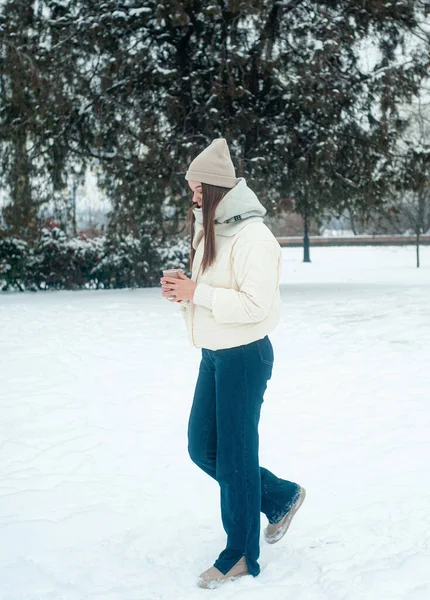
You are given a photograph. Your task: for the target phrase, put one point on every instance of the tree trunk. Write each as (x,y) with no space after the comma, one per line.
(306,245)
(73,208)
(352,222)
(21,214)
(420,222)
(418,247)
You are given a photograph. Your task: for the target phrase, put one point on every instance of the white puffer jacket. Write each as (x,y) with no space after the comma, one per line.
(237,299)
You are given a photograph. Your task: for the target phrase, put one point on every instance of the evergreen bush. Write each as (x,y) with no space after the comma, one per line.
(15,257)
(56,262)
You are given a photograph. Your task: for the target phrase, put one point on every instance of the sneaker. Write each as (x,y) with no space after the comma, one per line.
(275,532)
(213,578)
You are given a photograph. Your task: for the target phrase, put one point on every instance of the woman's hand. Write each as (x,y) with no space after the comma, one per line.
(182,288)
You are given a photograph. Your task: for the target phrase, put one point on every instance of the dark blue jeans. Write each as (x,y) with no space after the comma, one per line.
(223,441)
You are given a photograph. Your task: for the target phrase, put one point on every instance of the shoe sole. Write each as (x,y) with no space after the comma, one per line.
(216,583)
(286,522)
(213,578)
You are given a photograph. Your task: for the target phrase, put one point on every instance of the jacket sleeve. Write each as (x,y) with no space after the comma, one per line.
(256,267)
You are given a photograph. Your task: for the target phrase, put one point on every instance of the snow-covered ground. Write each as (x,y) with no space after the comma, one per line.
(99,500)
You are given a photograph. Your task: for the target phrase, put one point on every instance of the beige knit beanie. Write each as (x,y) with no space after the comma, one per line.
(213,166)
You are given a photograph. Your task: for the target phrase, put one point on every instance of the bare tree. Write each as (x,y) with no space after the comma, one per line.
(414,206)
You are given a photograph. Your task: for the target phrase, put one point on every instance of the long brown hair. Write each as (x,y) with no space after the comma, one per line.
(211,197)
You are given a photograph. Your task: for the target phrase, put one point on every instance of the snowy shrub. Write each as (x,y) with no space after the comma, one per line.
(127,261)
(88,253)
(14,260)
(57,262)
(61,263)
(176,255)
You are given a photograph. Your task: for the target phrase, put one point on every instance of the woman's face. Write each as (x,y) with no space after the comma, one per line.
(196,188)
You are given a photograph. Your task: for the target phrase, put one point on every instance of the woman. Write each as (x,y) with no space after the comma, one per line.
(231,304)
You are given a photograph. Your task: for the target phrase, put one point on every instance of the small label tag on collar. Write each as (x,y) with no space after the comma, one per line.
(231,220)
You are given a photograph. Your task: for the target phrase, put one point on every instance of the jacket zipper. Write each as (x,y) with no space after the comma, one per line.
(194,308)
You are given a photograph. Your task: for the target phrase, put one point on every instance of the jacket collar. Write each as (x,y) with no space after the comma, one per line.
(239,207)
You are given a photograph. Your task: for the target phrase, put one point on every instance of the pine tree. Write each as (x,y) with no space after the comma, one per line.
(140,88)
(285,82)
(36,113)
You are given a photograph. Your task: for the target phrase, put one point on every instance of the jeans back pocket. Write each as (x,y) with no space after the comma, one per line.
(265,350)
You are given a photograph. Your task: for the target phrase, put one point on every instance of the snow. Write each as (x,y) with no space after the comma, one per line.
(136,12)
(99,500)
